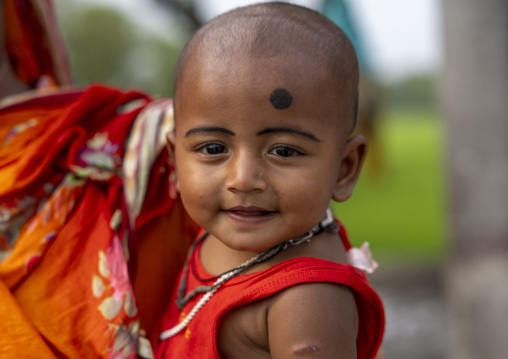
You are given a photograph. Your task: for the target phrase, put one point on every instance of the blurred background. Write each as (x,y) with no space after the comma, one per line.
(401,205)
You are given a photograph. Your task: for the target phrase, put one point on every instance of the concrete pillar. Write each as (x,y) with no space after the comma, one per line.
(475,105)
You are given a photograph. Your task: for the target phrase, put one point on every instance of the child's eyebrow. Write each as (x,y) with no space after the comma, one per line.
(208,129)
(289,130)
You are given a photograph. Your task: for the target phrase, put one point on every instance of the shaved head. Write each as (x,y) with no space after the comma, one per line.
(275,29)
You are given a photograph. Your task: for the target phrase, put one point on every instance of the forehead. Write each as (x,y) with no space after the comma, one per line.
(249,83)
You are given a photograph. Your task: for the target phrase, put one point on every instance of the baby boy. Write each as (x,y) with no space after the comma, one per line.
(265,104)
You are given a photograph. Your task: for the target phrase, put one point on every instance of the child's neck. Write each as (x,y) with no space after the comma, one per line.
(216,257)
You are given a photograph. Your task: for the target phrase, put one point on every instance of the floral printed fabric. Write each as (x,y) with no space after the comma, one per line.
(65,227)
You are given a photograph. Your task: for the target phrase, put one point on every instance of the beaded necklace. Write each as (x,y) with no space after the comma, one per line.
(327,224)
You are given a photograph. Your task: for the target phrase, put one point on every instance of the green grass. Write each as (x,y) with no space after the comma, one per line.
(401,209)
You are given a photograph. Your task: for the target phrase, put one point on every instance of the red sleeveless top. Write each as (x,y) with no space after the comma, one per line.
(199,338)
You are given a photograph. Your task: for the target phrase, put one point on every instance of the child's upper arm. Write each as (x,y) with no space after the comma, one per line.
(313,320)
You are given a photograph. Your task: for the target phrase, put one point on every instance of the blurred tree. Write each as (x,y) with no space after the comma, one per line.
(99,39)
(151,65)
(106,46)
(417,92)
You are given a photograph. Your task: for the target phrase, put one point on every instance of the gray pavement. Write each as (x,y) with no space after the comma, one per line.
(413,296)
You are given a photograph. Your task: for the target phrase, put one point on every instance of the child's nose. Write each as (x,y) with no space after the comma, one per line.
(245,173)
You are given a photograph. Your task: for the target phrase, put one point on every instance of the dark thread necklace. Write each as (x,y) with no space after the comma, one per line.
(327,224)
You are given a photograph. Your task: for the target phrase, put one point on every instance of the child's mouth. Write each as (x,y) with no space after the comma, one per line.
(251,214)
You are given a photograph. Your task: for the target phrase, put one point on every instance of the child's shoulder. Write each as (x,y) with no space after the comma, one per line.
(313,317)
(304,318)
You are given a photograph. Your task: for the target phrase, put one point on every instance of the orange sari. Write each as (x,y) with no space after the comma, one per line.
(91,233)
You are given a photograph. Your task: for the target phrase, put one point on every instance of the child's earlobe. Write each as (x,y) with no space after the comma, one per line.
(353,158)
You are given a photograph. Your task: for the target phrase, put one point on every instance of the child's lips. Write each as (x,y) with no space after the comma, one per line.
(249,214)
(249,211)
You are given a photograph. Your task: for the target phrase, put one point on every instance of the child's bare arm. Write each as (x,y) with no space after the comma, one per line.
(313,320)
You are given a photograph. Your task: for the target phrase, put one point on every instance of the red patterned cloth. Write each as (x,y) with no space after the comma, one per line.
(33,43)
(91,239)
(89,236)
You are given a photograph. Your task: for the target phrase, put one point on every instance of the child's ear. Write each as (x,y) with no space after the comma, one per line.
(354,155)
(170,145)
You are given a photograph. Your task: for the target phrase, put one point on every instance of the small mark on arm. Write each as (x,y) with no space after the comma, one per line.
(305,349)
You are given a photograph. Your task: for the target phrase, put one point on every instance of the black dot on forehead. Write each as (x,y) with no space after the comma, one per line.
(281,98)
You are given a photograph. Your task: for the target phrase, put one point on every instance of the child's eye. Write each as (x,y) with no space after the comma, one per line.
(284,151)
(212,149)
